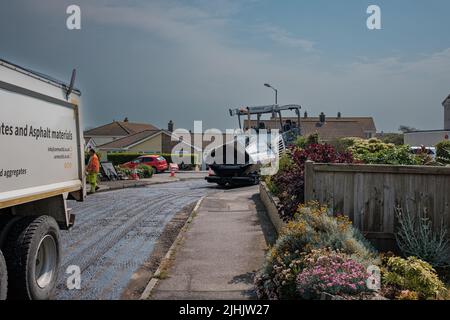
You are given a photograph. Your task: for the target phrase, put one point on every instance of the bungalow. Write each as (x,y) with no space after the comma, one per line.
(328,128)
(116,130)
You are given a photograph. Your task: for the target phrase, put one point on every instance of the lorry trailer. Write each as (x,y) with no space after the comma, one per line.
(41,166)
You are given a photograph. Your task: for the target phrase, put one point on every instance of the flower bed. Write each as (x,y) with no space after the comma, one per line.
(319,256)
(288,184)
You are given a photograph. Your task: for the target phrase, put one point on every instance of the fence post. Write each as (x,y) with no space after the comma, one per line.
(309,181)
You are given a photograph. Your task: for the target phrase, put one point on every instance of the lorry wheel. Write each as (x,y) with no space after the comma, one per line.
(32,254)
(3,278)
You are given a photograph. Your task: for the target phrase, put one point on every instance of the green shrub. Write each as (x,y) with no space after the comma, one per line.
(417,238)
(443,152)
(312,139)
(122,157)
(271,185)
(285,163)
(123,172)
(312,228)
(394,138)
(374,151)
(343,144)
(414,275)
(144,171)
(300,142)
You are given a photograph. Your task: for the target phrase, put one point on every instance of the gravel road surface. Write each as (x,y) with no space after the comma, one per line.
(115,233)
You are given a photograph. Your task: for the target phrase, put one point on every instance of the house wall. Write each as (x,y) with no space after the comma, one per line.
(447,115)
(153,145)
(426,138)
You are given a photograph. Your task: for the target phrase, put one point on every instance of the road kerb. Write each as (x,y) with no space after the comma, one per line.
(154,280)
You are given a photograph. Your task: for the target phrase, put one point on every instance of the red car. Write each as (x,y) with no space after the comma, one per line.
(158,163)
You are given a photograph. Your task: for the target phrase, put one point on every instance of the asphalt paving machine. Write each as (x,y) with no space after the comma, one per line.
(254,147)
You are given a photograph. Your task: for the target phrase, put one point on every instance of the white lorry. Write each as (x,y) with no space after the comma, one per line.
(41,166)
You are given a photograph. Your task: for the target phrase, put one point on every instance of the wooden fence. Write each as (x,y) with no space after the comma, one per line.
(370,194)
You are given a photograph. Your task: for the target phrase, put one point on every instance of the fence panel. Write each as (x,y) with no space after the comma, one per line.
(370,194)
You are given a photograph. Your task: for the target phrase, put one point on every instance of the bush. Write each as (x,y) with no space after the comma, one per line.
(122,157)
(289,183)
(144,171)
(374,151)
(413,275)
(123,172)
(311,229)
(331,272)
(343,144)
(394,138)
(300,142)
(312,139)
(443,152)
(416,237)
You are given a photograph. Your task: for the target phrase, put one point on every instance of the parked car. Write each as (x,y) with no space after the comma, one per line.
(158,163)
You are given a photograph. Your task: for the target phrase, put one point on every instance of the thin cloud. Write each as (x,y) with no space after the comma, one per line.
(285,38)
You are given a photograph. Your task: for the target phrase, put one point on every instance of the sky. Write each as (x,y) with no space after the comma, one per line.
(161,60)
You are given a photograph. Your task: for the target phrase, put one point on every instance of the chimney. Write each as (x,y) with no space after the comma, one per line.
(339,115)
(126,119)
(446,105)
(305,115)
(322,117)
(170,126)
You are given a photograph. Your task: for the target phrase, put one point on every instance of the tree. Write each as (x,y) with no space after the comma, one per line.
(406,129)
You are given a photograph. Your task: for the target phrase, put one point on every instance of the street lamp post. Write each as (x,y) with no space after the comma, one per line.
(276,92)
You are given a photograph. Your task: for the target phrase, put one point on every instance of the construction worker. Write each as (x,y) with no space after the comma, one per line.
(93,169)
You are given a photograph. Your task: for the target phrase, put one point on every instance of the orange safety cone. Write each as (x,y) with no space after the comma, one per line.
(173,168)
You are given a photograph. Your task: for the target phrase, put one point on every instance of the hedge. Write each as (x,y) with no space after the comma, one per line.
(443,151)
(123,157)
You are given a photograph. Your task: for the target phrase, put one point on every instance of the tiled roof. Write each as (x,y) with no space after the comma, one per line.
(129,140)
(331,129)
(119,128)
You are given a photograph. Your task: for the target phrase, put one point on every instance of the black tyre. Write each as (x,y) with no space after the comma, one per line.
(32,254)
(3,278)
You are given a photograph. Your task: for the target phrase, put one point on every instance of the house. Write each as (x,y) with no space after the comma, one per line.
(116,130)
(89,144)
(328,128)
(152,141)
(430,138)
(147,141)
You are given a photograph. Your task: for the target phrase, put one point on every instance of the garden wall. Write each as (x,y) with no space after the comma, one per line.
(270,203)
(369,195)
